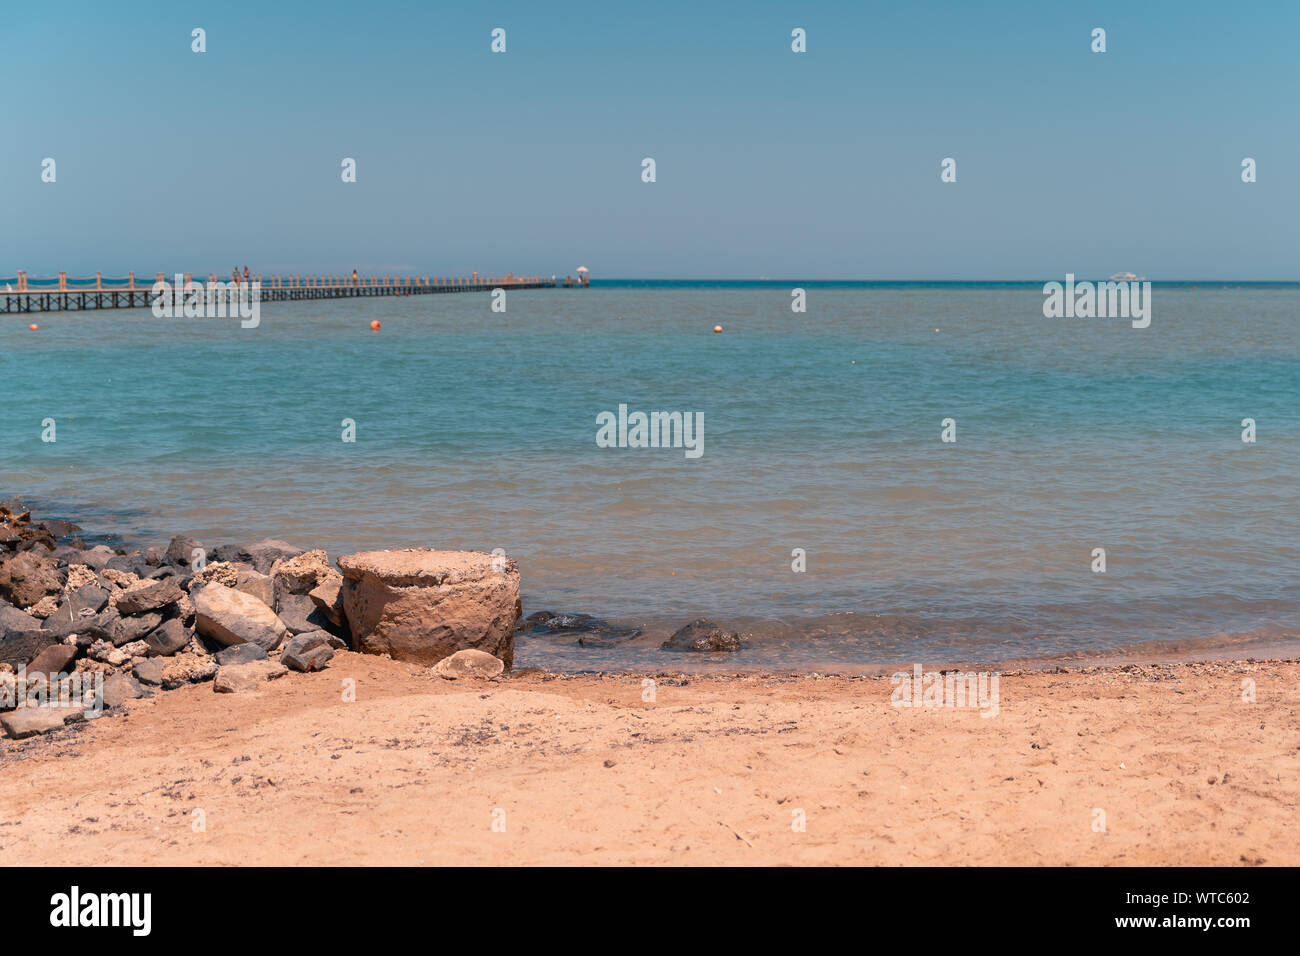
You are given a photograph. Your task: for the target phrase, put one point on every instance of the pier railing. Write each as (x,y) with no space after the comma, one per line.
(23,293)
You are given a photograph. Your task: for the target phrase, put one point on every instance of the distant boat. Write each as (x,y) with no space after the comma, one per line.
(1123,277)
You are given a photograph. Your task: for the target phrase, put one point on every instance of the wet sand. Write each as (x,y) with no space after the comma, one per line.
(582,770)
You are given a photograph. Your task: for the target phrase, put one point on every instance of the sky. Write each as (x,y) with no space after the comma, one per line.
(769,163)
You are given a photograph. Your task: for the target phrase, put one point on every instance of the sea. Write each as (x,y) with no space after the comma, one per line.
(1095,499)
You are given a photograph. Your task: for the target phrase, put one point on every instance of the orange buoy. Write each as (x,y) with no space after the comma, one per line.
(717,328)
(33,326)
(374,325)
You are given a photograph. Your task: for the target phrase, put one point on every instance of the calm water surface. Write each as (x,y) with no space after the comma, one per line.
(822,432)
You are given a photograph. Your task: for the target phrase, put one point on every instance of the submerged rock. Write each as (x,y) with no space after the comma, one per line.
(589,631)
(704,636)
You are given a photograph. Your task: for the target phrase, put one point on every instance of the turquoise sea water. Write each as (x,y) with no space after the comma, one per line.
(821,432)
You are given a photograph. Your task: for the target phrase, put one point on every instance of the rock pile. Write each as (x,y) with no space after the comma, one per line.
(238,616)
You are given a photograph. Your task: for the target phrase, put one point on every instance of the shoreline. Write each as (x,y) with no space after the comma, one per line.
(553,650)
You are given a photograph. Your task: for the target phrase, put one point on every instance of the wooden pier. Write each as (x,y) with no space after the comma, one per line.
(62,294)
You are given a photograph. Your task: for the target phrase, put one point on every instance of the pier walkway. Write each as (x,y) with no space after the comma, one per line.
(21,294)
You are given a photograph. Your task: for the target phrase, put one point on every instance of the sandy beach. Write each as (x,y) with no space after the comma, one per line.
(581,769)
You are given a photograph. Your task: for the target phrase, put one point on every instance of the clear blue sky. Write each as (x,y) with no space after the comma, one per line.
(820,165)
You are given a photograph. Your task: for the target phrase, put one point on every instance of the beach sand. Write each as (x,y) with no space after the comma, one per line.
(582,770)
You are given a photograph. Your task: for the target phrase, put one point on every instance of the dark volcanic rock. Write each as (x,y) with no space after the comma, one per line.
(167,638)
(95,558)
(150,672)
(95,627)
(181,550)
(58,528)
(307,652)
(127,629)
(300,614)
(702,636)
(262,555)
(119,688)
(590,631)
(27,577)
(241,654)
(17,648)
(89,598)
(12,619)
(153,597)
(134,562)
(232,553)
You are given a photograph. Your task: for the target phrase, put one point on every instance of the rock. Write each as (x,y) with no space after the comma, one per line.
(589,631)
(167,638)
(263,555)
(26,577)
(133,563)
(186,669)
(119,688)
(222,572)
(702,635)
(53,660)
(127,630)
(300,613)
(30,721)
(298,575)
(17,648)
(469,663)
(240,654)
(91,598)
(92,627)
(422,605)
(12,619)
(181,550)
(256,584)
(96,557)
(228,617)
(308,652)
(45,607)
(119,579)
(328,596)
(149,672)
(246,678)
(60,528)
(149,597)
(229,553)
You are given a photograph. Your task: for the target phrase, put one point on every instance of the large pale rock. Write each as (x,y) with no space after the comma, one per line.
(422,605)
(230,617)
(469,663)
(298,575)
(328,596)
(30,721)
(246,678)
